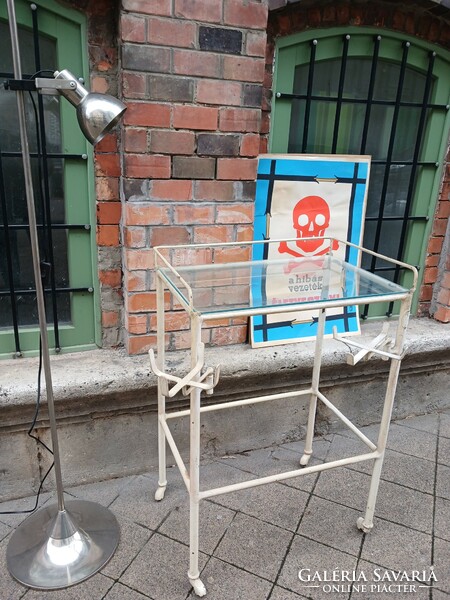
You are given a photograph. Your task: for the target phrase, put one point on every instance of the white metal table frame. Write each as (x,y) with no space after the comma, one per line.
(199,379)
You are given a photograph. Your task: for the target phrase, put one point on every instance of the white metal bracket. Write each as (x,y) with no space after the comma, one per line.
(380,346)
(207,380)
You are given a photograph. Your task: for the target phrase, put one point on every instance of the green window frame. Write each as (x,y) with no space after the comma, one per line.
(67,28)
(295,51)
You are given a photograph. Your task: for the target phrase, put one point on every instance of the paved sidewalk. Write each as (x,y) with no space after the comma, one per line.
(254,542)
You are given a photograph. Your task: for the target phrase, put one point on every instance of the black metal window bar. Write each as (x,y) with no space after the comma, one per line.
(370,101)
(43,198)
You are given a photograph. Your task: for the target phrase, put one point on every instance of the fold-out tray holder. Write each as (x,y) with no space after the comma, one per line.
(207,381)
(379,346)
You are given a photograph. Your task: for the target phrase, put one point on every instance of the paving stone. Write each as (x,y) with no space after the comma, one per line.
(132,539)
(95,587)
(121,592)
(344,486)
(442,565)
(221,473)
(310,556)
(320,451)
(274,503)
(444,424)
(269,461)
(403,438)
(405,506)
(305,483)
(266,461)
(103,492)
(10,588)
(214,520)
(428,422)
(344,446)
(282,594)
(410,471)
(254,546)
(137,500)
(444,451)
(226,582)
(442,519)
(397,547)
(438,595)
(19,504)
(443,482)
(370,431)
(160,569)
(378,577)
(332,525)
(4,530)
(395,503)
(262,465)
(414,442)
(321,447)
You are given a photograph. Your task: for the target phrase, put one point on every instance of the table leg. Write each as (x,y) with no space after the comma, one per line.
(194,466)
(366,523)
(307,452)
(160,331)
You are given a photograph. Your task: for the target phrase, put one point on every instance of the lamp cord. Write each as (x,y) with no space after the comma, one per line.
(39,441)
(40,73)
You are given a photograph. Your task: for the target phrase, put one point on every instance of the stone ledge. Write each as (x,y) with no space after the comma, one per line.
(104,381)
(106,403)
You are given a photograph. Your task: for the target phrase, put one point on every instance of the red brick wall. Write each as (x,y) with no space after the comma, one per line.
(438,259)
(425,20)
(192,79)
(195,76)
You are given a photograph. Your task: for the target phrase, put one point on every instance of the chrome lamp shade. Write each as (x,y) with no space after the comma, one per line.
(97,113)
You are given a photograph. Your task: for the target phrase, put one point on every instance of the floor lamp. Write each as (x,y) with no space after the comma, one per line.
(59,545)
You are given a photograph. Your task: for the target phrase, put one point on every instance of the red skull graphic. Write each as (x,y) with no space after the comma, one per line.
(311,217)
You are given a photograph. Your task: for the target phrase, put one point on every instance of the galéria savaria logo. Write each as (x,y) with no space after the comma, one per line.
(378,581)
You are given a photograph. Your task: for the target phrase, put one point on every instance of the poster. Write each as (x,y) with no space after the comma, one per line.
(300,196)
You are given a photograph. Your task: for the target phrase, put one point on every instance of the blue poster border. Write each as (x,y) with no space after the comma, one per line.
(352,170)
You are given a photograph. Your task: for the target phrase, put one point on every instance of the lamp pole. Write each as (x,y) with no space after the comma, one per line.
(35,251)
(54,547)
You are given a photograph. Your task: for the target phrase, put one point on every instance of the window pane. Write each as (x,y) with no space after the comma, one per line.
(48,180)
(47,50)
(356,86)
(26,308)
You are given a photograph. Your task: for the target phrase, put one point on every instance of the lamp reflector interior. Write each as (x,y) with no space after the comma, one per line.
(97,114)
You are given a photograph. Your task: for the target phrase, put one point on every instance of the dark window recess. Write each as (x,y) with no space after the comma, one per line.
(217,39)
(368,105)
(18,309)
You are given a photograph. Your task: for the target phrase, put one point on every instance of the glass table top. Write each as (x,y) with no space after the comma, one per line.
(263,284)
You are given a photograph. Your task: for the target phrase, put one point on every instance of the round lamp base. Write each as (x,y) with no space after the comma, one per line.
(54,549)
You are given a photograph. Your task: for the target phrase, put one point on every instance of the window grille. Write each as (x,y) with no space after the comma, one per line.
(17,291)
(364,103)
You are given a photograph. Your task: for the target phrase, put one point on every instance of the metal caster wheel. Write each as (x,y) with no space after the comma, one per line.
(361,525)
(305,459)
(159,494)
(198,586)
